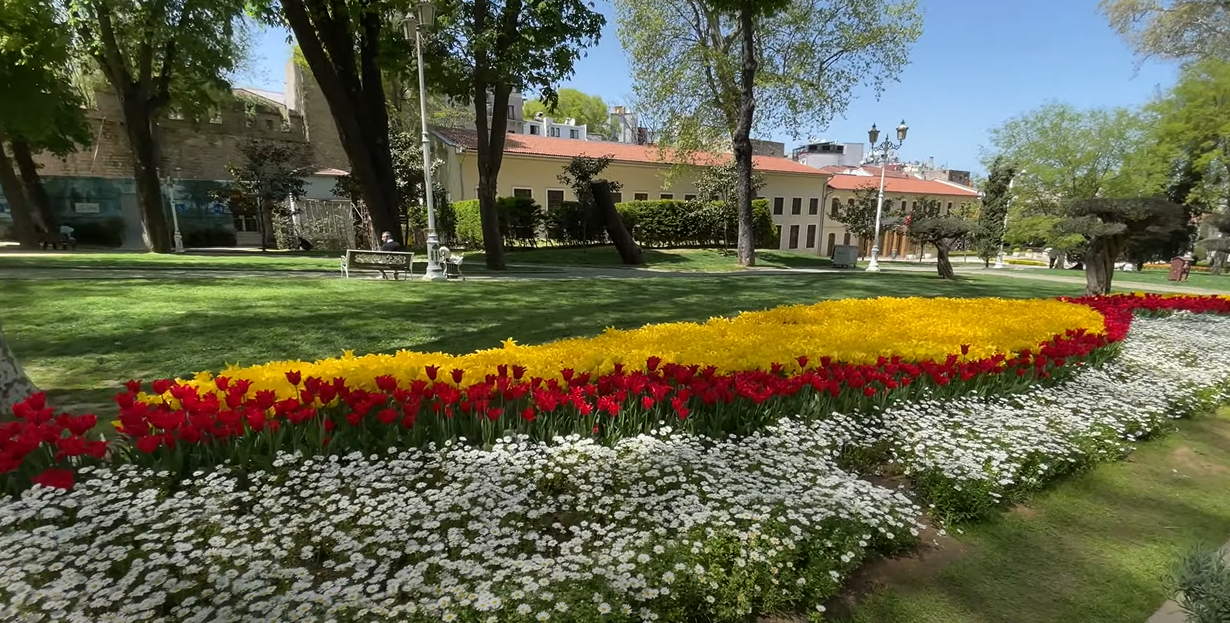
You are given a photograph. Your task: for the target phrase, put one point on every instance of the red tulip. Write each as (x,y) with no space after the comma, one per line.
(294,377)
(55,479)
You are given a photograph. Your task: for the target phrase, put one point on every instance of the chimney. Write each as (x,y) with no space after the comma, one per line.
(931,162)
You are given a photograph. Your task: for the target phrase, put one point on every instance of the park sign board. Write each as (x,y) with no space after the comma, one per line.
(87,208)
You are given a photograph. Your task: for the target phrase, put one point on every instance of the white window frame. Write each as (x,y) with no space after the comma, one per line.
(773,206)
(666,196)
(516,188)
(635,193)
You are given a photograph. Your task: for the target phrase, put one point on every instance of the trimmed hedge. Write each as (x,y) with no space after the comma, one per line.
(665,223)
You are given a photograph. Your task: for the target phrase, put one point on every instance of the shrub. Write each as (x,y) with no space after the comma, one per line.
(105,232)
(674,223)
(572,224)
(521,220)
(1201,585)
(209,237)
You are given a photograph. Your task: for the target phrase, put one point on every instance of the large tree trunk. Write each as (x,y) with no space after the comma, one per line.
(629,251)
(15,386)
(33,183)
(354,90)
(23,215)
(741,140)
(943,265)
(1100,266)
(491,140)
(139,123)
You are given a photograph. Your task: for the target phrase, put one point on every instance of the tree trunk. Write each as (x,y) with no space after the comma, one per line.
(943,265)
(741,140)
(629,251)
(15,386)
(1099,267)
(36,193)
(491,140)
(139,123)
(24,223)
(1217,262)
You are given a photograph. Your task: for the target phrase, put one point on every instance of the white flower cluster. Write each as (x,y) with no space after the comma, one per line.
(571,531)
(665,527)
(968,456)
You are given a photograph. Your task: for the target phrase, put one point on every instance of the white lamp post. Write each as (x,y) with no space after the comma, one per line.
(179,238)
(425,18)
(888,145)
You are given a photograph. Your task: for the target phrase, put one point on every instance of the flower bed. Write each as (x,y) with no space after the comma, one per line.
(664,526)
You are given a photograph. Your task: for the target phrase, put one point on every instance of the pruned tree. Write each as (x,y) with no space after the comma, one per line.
(710,71)
(266,176)
(717,194)
(347,45)
(929,223)
(40,108)
(155,55)
(484,50)
(859,214)
(1172,29)
(594,195)
(15,386)
(996,197)
(1110,225)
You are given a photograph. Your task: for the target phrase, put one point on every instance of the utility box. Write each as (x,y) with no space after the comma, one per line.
(845,256)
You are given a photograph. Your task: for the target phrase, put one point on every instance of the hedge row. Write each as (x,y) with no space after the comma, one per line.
(665,223)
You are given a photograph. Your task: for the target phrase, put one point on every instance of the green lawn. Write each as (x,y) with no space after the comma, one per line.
(675,260)
(81,339)
(1091,550)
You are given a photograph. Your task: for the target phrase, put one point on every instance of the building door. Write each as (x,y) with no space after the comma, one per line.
(832,243)
(134,227)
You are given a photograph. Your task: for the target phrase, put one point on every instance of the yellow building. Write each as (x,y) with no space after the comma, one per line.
(532,165)
(901,192)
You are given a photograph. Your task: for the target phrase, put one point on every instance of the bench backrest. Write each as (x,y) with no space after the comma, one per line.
(356,258)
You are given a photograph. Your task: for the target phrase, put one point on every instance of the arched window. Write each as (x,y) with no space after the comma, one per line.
(836,207)
(832,242)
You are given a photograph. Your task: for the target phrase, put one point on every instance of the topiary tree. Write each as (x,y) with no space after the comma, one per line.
(928,223)
(1109,225)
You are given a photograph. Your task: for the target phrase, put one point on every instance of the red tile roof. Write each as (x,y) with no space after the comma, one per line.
(901,185)
(535,145)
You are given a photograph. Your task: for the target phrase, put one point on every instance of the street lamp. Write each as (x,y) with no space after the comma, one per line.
(424,19)
(179,239)
(888,145)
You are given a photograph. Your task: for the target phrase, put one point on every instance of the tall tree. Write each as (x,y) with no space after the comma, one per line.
(1193,125)
(588,110)
(39,107)
(710,71)
(929,223)
(347,44)
(1173,29)
(486,49)
(155,54)
(996,197)
(266,176)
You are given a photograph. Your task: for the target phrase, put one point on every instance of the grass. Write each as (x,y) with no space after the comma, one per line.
(81,339)
(1094,549)
(674,260)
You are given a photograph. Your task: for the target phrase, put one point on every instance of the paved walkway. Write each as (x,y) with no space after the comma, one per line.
(1170,612)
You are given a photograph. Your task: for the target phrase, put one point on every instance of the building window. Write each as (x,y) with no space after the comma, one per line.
(811,236)
(779,204)
(534,130)
(832,243)
(555,199)
(617,198)
(689,197)
(794,236)
(913,206)
(640,196)
(524,193)
(666,196)
(905,205)
(796,205)
(846,239)
(246,223)
(555,132)
(512,111)
(949,208)
(813,206)
(574,134)
(835,208)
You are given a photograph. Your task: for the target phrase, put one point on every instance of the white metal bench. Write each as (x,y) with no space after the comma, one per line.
(382,261)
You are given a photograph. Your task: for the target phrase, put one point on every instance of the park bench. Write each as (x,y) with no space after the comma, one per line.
(382,261)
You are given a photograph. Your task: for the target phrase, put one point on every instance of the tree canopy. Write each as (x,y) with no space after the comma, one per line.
(1193,126)
(929,223)
(1111,224)
(589,110)
(1173,29)
(990,227)
(859,215)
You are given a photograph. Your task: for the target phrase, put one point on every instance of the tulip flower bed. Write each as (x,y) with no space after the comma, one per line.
(666,525)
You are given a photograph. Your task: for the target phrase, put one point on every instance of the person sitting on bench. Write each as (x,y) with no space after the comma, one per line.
(387,243)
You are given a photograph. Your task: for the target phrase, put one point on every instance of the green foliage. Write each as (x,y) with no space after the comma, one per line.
(990,228)
(1064,153)
(521,218)
(210,236)
(39,101)
(105,232)
(674,223)
(1200,583)
(686,55)
(859,216)
(589,110)
(1193,128)
(581,172)
(266,174)
(929,223)
(575,224)
(1173,29)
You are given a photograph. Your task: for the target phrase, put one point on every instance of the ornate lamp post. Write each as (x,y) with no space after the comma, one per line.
(179,238)
(887,146)
(424,19)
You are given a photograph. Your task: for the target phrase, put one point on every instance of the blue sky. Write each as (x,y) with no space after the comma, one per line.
(978,63)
